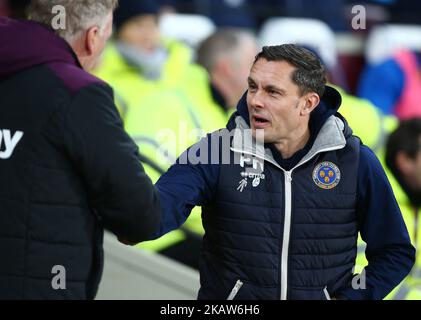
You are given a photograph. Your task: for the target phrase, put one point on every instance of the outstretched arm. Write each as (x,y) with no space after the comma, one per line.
(107,159)
(186,185)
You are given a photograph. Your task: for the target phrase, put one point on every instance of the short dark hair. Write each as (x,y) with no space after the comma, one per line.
(406,139)
(310,74)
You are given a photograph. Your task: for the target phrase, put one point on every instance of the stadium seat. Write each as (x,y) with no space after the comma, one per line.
(384,40)
(188,28)
(312,33)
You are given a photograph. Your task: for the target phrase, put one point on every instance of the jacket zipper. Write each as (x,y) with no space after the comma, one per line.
(286,233)
(235,290)
(287,222)
(288,213)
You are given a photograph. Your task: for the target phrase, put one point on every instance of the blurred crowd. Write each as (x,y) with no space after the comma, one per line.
(164,85)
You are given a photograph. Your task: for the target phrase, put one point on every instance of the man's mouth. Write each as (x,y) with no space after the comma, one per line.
(260,121)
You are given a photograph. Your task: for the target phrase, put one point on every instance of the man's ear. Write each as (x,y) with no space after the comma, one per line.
(311,100)
(91,40)
(404,163)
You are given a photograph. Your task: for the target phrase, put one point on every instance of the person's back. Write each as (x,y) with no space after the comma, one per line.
(71,168)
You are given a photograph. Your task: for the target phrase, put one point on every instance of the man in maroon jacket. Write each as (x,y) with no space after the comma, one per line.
(68,168)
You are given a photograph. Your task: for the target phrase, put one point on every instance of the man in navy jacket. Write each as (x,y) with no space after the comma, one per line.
(284,200)
(67,166)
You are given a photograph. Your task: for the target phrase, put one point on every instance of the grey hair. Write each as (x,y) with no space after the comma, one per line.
(225,42)
(80,14)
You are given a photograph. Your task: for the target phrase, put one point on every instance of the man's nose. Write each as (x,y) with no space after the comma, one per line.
(257,99)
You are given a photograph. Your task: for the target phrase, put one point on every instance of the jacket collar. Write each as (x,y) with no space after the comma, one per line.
(26,44)
(331,137)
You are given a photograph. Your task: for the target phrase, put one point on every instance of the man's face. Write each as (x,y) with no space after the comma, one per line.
(414,171)
(274,101)
(417,170)
(141,32)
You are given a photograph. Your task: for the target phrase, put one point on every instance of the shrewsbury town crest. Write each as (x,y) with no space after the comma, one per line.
(326,175)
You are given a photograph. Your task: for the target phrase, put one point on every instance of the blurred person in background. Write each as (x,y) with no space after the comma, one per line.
(227,55)
(160,94)
(139,58)
(403,157)
(394,85)
(69,168)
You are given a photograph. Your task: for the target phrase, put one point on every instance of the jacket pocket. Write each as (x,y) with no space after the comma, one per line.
(235,290)
(309,293)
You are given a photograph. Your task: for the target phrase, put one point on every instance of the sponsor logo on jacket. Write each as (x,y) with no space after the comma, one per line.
(8,142)
(253,170)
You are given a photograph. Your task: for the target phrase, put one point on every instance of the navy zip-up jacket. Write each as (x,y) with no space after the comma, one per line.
(379,221)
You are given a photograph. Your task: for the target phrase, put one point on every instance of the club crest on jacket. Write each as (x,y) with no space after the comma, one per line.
(326,175)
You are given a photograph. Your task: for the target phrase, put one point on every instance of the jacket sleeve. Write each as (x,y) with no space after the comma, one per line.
(389,252)
(108,161)
(190,182)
